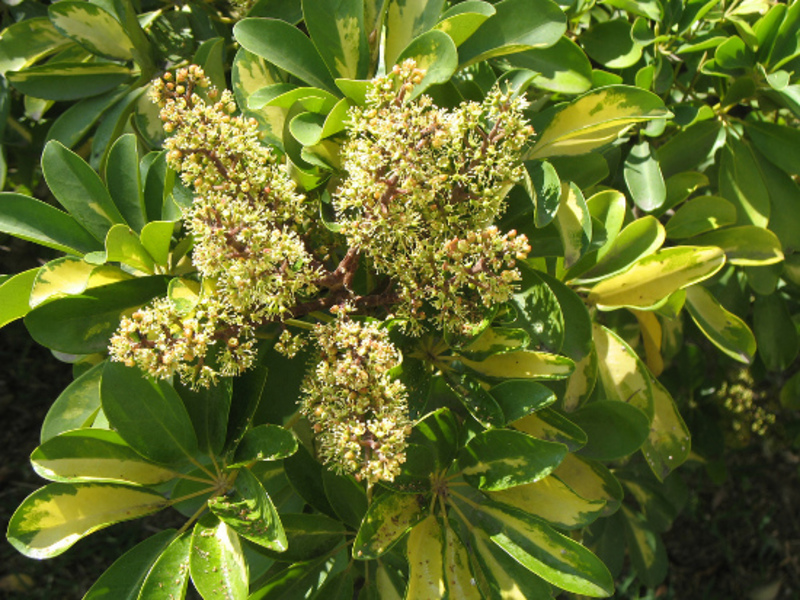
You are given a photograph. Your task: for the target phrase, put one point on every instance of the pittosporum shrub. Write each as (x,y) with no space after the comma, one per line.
(392,303)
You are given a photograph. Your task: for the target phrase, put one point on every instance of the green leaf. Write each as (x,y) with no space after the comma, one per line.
(725,330)
(79,189)
(538,312)
(75,122)
(544,188)
(93,28)
(124,246)
(301,580)
(124,182)
(520,397)
(746,245)
(596,119)
(56,516)
(169,575)
(502,576)
(14,294)
(425,553)
(265,442)
(775,332)
(784,219)
(690,149)
(308,536)
(517,25)
(248,74)
(580,384)
(32,220)
(523,364)
(778,143)
(741,182)
(406,20)
(23,43)
(647,552)
(591,480)
(552,500)
(346,496)
(573,222)
(700,215)
(286,95)
(250,513)
(653,278)
(615,429)
(337,29)
(463,19)
(495,340)
(156,237)
(217,563)
(562,68)
(458,576)
(208,408)
(68,81)
(63,276)
(435,54)
(95,455)
(475,398)
(644,178)
(83,324)
(269,38)
(640,238)
(552,426)
(624,376)
(502,458)
(539,548)
(148,414)
(437,433)
(388,519)
(76,406)
(668,445)
(610,43)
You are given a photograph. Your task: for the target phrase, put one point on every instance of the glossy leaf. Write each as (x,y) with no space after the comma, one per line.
(780,144)
(269,38)
(653,278)
(544,188)
(265,442)
(538,311)
(346,496)
(644,178)
(68,81)
(591,480)
(624,377)
(56,516)
(216,562)
(517,25)
(250,513)
(405,21)
(124,246)
(725,330)
(523,364)
(95,455)
(741,182)
(561,68)
(26,41)
(63,276)
(426,568)
(577,324)
(435,54)
(148,414)
(552,426)
(124,183)
(169,575)
(458,577)
(123,580)
(573,222)
(76,406)
(519,397)
(552,500)
(14,294)
(647,551)
(775,332)
(746,245)
(337,30)
(638,239)
(438,434)
(463,19)
(79,189)
(93,28)
(475,398)
(615,429)
(32,220)
(503,578)
(208,408)
(610,43)
(156,237)
(501,458)
(700,215)
(669,444)
(83,324)
(388,519)
(595,119)
(550,555)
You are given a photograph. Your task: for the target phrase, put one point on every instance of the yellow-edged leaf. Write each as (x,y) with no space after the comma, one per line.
(650,329)
(425,566)
(523,364)
(669,443)
(65,276)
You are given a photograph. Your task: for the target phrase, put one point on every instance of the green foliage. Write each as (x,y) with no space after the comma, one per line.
(414,309)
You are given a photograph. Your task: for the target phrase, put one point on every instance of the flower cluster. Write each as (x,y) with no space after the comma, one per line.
(423,186)
(357,409)
(248,225)
(162,340)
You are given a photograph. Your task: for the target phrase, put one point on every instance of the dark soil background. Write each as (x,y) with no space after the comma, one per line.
(739,539)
